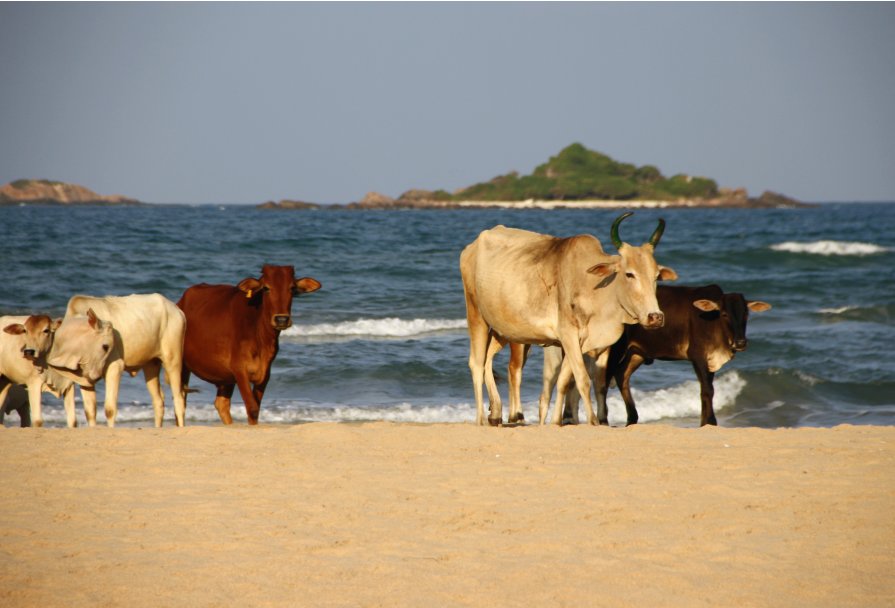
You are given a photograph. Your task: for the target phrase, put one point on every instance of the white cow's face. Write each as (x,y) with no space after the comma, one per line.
(638,271)
(36,335)
(83,346)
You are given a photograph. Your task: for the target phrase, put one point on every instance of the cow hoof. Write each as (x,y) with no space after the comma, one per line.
(494,421)
(517,419)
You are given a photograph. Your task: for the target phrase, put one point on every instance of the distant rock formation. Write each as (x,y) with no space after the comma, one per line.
(287,204)
(47,192)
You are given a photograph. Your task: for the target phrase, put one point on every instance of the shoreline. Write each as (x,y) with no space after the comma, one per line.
(399,514)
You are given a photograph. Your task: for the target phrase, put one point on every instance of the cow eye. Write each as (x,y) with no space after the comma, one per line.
(105,348)
(630,275)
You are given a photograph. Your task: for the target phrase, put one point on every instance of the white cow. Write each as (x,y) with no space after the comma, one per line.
(30,346)
(532,288)
(149,332)
(24,344)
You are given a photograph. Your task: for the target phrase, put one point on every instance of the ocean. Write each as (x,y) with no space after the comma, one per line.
(385,338)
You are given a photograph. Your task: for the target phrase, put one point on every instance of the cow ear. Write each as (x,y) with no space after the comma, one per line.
(706,305)
(92,318)
(603,270)
(249,285)
(307,285)
(667,274)
(757,306)
(15,329)
(55,324)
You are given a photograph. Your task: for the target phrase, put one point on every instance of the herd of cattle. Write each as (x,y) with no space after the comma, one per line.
(226,335)
(598,316)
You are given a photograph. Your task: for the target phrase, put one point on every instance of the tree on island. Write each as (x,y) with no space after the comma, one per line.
(577,173)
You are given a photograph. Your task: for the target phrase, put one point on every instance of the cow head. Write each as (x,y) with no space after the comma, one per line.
(733,312)
(82,347)
(637,267)
(37,335)
(274,291)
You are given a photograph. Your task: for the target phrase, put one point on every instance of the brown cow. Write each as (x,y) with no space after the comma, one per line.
(233,333)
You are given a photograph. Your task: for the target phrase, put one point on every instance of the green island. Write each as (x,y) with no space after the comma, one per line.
(577,173)
(575,177)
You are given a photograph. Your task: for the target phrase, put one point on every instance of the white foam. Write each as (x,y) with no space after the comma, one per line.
(830,248)
(836,311)
(681,401)
(388,328)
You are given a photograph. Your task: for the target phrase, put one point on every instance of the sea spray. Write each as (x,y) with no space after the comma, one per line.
(829,248)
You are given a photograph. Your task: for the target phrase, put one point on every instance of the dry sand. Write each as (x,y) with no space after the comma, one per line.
(447,515)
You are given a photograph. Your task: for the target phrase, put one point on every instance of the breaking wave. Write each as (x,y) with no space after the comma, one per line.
(676,402)
(390,328)
(830,248)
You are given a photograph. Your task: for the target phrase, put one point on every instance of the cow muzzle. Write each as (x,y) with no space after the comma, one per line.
(281,321)
(654,320)
(739,345)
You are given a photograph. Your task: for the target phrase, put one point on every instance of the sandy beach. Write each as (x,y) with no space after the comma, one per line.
(382,514)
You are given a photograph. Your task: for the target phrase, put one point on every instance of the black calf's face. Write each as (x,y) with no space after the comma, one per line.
(733,315)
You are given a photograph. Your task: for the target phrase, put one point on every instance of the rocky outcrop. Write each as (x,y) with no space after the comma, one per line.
(287,204)
(774,199)
(42,191)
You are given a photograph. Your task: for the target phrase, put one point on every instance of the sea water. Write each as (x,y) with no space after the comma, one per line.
(385,338)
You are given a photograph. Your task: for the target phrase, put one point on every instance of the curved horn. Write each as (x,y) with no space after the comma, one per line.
(614,232)
(654,240)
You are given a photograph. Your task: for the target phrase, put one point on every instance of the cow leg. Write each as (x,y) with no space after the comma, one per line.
(518,357)
(173,364)
(575,363)
(258,390)
(570,403)
(597,369)
(623,379)
(34,397)
(706,393)
(563,382)
(5,385)
(184,387)
(113,381)
(151,373)
(479,336)
(68,399)
(222,402)
(552,363)
(88,398)
(253,408)
(495,406)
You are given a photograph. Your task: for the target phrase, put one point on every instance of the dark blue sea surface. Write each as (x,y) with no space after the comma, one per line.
(385,338)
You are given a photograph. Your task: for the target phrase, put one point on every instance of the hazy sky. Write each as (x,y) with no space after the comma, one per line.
(324,102)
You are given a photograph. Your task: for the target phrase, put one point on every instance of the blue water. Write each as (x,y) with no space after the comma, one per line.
(385,338)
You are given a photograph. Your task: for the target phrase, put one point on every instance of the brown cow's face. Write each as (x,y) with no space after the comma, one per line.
(37,335)
(276,288)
